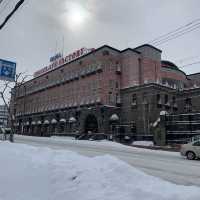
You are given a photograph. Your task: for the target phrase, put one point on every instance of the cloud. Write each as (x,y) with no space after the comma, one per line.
(35,33)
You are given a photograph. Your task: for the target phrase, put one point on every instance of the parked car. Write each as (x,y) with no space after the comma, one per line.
(92,136)
(98,136)
(84,136)
(191,150)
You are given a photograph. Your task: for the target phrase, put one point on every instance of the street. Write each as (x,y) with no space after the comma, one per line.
(169,166)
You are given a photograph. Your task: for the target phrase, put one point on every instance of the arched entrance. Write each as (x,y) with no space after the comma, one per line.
(91,124)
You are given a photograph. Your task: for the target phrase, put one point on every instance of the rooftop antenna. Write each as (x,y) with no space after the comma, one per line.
(127,43)
(55,51)
(63,44)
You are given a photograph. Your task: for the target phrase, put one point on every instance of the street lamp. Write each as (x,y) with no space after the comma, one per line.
(114,119)
(72,121)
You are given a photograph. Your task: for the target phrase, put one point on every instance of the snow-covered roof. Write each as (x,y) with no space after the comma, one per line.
(46,121)
(72,120)
(54,121)
(63,120)
(114,117)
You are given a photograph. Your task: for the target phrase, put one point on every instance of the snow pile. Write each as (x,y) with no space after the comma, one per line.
(43,174)
(63,137)
(143,143)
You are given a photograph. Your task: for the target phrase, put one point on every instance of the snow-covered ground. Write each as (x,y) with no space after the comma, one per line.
(87,143)
(143,143)
(38,173)
(169,166)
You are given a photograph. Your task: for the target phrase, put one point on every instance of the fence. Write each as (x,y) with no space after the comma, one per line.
(5,134)
(182,128)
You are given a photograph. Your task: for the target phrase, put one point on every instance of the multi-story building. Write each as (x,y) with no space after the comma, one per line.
(3,116)
(105,86)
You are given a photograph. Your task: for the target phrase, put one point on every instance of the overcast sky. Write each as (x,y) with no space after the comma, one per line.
(37,30)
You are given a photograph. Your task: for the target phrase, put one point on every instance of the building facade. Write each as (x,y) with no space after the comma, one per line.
(103,88)
(3,116)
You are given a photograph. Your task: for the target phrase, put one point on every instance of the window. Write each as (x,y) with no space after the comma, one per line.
(145,98)
(118,100)
(159,101)
(167,103)
(110,97)
(111,84)
(117,84)
(188,101)
(134,100)
(166,99)
(173,100)
(175,107)
(196,143)
(118,68)
(188,104)
(105,53)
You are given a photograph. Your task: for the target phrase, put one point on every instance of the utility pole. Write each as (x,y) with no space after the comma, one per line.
(17,6)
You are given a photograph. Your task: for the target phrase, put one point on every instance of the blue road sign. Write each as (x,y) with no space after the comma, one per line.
(7,70)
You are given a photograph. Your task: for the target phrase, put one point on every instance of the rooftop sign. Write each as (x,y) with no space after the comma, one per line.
(7,70)
(57,56)
(57,62)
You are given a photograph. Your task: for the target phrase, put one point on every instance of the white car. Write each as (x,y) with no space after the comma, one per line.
(191,150)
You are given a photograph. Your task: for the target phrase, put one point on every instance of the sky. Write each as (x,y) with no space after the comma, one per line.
(39,29)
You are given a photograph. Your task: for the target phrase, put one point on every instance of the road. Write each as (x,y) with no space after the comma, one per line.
(169,166)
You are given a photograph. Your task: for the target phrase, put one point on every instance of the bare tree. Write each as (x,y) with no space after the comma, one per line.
(7,86)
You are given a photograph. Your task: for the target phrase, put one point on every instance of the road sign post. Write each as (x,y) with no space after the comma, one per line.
(7,70)
(8,73)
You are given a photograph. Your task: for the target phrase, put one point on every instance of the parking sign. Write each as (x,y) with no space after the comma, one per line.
(7,70)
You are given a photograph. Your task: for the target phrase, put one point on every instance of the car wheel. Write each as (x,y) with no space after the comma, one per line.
(190,155)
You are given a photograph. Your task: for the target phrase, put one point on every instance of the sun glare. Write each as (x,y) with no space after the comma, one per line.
(75,15)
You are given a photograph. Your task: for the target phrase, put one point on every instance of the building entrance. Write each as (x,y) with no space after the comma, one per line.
(91,124)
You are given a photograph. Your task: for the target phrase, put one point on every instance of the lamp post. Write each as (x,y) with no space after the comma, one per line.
(72,121)
(114,119)
(163,132)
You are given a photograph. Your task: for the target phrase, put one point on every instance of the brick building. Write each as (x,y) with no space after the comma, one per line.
(105,86)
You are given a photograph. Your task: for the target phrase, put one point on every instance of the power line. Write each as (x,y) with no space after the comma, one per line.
(194,63)
(191,26)
(186,59)
(23,5)
(177,35)
(185,26)
(12,13)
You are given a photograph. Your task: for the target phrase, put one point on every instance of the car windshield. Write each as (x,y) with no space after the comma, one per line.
(197,143)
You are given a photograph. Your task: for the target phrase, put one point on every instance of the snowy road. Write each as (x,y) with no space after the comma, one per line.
(166,165)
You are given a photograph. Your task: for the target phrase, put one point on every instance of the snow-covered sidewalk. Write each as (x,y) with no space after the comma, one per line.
(96,144)
(35,173)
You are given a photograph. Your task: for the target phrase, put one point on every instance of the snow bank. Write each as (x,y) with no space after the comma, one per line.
(143,143)
(43,174)
(108,145)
